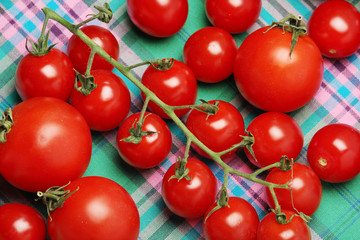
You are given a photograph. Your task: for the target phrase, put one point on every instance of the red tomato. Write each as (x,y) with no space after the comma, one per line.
(190,198)
(49,144)
(334,153)
(152,149)
(106,106)
(175,86)
(100,209)
(306,188)
(218,132)
(268,78)
(276,134)
(233,16)
(270,229)
(21,222)
(210,53)
(51,75)
(79,52)
(238,221)
(158,18)
(335,28)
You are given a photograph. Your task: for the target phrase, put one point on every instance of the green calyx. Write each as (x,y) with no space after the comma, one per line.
(87,83)
(205,107)
(180,170)
(222,201)
(41,48)
(6,123)
(164,64)
(136,133)
(286,164)
(105,13)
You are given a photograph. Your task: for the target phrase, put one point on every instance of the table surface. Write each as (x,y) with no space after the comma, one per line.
(338,216)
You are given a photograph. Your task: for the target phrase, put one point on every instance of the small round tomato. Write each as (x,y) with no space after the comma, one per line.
(335,28)
(210,54)
(158,18)
(238,221)
(79,52)
(334,153)
(233,16)
(107,105)
(21,222)
(190,198)
(51,75)
(176,86)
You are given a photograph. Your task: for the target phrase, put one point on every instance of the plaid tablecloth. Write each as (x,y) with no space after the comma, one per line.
(338,216)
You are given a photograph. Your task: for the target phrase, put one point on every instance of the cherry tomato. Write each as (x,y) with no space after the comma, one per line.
(158,18)
(334,153)
(190,198)
(21,222)
(306,188)
(100,209)
(210,54)
(107,105)
(79,52)
(238,221)
(233,16)
(218,132)
(276,134)
(152,149)
(335,28)
(51,75)
(49,144)
(268,78)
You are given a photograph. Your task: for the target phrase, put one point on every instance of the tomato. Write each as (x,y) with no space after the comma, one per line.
(51,75)
(21,222)
(190,198)
(152,149)
(218,132)
(276,134)
(107,105)
(233,16)
(334,153)
(306,188)
(268,78)
(335,28)
(238,221)
(99,209)
(79,52)
(175,86)
(49,144)
(210,54)
(270,229)
(158,18)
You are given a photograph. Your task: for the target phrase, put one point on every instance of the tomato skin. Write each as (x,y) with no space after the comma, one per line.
(79,52)
(238,221)
(334,153)
(335,28)
(175,86)
(190,199)
(51,75)
(21,222)
(99,209)
(107,105)
(147,14)
(49,145)
(210,54)
(272,81)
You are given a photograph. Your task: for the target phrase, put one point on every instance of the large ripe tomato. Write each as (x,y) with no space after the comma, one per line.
(100,209)
(21,222)
(268,78)
(107,105)
(49,144)
(210,54)
(334,152)
(233,16)
(79,52)
(51,75)
(190,198)
(335,28)
(158,18)
(238,221)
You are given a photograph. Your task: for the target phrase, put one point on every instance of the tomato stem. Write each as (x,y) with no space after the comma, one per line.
(6,123)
